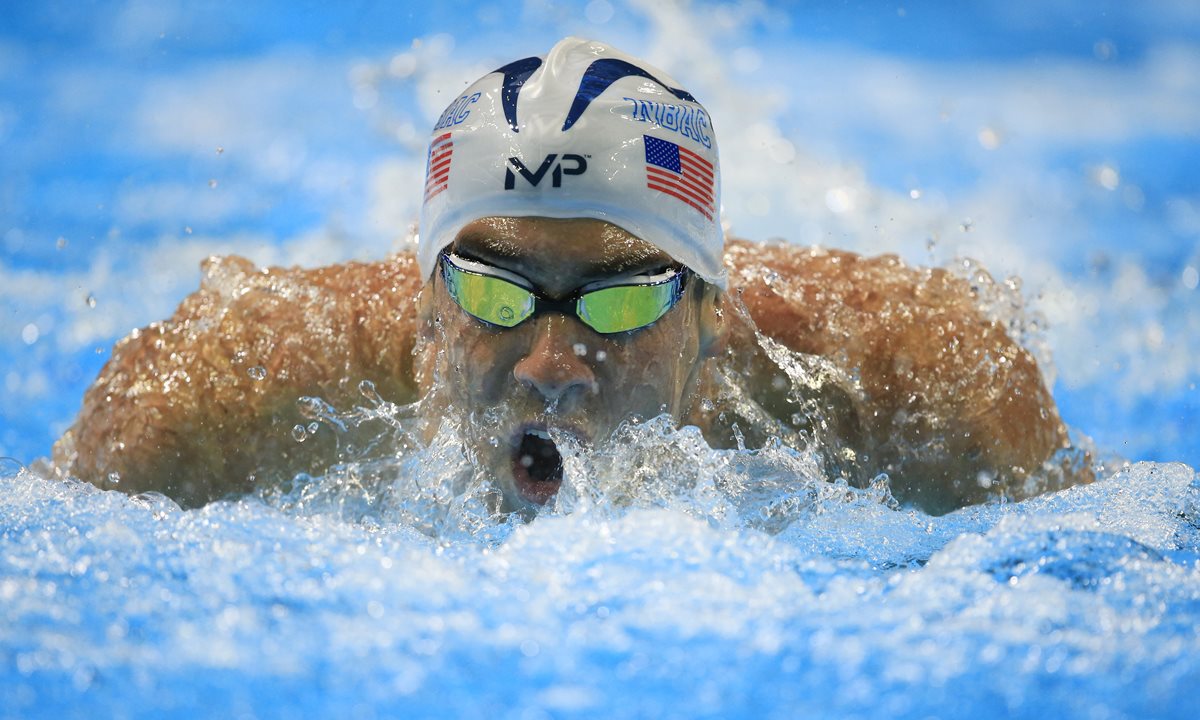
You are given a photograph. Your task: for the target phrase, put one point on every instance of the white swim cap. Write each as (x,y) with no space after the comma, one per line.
(588,132)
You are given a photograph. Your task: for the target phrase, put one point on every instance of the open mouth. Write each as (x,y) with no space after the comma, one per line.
(536,464)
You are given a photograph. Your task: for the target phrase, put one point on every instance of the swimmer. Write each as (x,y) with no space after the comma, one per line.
(571,273)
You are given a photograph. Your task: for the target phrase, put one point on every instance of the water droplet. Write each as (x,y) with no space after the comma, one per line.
(30,334)
(60,243)
(598,12)
(220,149)
(310,407)
(1108,177)
(299,433)
(10,467)
(839,199)
(580,349)
(915,194)
(1191,277)
(212,183)
(258,372)
(91,300)
(989,138)
(187,229)
(506,313)
(366,388)
(601,356)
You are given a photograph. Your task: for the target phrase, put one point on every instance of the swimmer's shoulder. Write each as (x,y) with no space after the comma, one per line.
(207,393)
(821,300)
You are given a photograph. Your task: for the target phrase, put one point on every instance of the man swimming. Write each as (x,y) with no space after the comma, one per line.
(571,273)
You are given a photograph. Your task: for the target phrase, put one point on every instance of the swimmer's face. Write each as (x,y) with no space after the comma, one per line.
(516,387)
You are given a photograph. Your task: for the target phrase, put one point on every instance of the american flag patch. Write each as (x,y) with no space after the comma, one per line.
(437,167)
(680,173)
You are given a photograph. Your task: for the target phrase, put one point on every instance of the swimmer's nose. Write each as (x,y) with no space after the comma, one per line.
(552,368)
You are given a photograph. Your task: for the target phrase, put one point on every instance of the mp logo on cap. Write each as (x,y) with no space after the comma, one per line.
(568,164)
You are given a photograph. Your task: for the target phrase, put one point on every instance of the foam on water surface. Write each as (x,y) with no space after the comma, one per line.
(714,600)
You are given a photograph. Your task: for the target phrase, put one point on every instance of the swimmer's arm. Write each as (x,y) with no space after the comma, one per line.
(949,401)
(182,407)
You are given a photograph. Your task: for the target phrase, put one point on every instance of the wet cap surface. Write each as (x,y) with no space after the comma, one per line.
(585,132)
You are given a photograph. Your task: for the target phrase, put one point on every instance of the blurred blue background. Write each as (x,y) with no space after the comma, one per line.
(1057,142)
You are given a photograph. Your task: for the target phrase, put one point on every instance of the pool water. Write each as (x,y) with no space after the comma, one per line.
(740,584)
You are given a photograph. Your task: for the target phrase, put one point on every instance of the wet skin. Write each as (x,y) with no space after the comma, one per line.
(553,373)
(924,386)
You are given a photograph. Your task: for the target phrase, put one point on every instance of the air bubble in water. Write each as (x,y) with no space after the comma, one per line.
(299,433)
(258,372)
(580,349)
(114,478)
(601,356)
(91,300)
(313,426)
(212,183)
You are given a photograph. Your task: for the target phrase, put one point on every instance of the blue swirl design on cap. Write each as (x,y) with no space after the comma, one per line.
(603,73)
(515,75)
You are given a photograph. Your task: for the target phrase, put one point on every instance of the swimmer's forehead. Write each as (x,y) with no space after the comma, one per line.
(550,250)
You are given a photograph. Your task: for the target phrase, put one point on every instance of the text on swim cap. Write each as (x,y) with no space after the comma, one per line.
(534,177)
(687,121)
(457,112)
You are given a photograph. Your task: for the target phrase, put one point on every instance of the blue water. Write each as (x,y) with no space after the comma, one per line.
(1056,144)
(1081,604)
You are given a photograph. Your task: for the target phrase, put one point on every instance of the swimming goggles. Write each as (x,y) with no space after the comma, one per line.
(499,297)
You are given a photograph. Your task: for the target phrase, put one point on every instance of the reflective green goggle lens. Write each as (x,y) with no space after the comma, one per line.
(619,308)
(626,307)
(490,299)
